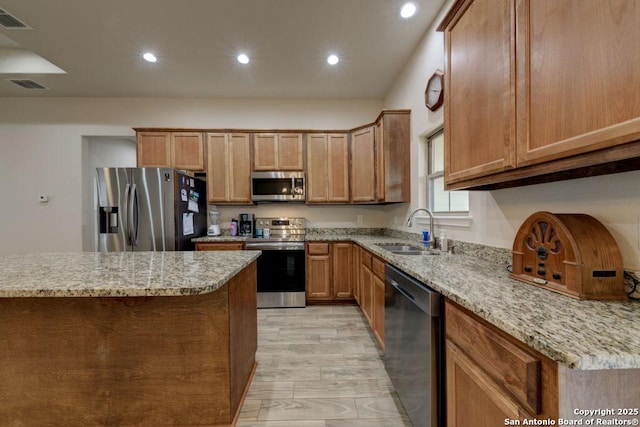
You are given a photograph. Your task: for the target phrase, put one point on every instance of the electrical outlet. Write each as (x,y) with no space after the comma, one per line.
(360,219)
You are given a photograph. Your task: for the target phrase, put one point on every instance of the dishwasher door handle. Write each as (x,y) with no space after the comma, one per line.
(400,289)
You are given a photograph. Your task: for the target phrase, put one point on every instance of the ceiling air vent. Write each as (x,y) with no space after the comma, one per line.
(27,84)
(10,22)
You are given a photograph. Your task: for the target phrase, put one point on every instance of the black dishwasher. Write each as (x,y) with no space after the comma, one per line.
(413,347)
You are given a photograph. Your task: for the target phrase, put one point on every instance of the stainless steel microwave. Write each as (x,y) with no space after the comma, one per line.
(278,187)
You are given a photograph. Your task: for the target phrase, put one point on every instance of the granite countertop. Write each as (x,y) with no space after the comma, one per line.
(579,334)
(119,274)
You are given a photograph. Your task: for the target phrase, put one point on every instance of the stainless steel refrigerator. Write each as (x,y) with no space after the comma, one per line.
(149,209)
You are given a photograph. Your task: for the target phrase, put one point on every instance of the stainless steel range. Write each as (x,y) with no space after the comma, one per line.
(281,268)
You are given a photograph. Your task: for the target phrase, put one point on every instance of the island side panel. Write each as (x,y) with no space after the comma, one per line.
(243,332)
(115,361)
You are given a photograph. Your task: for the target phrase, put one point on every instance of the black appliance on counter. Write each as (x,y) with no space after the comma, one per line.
(281,267)
(246,225)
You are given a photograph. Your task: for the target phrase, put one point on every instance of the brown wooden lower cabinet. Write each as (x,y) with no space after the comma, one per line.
(355,271)
(219,246)
(491,377)
(329,271)
(144,361)
(372,292)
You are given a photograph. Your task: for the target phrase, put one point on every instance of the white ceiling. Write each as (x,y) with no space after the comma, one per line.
(99,42)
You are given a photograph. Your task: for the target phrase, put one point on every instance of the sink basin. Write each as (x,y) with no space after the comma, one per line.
(398,247)
(403,249)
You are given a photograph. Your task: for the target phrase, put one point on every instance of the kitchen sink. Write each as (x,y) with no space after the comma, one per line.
(404,249)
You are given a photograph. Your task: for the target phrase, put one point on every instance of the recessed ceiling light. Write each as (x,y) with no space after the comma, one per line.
(243,59)
(333,59)
(408,10)
(149,57)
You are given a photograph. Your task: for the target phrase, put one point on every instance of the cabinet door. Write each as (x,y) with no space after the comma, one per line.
(153,149)
(473,399)
(363,172)
(366,289)
(380,163)
(265,152)
(317,177)
(480,90)
(318,271)
(290,152)
(239,167)
(338,167)
(327,168)
(578,73)
(378,309)
(342,260)
(217,168)
(187,151)
(228,168)
(357,259)
(393,146)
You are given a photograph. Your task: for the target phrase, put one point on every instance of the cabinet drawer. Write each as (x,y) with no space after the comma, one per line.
(317,249)
(377,265)
(516,370)
(366,259)
(222,246)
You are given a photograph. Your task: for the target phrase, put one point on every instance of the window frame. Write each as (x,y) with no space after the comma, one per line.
(431,177)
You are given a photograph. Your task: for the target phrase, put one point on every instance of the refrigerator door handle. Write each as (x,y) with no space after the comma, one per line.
(125,214)
(133,215)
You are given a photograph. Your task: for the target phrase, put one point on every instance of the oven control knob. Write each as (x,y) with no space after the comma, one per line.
(557,276)
(528,269)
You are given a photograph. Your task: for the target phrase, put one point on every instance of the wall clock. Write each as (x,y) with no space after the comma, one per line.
(434,93)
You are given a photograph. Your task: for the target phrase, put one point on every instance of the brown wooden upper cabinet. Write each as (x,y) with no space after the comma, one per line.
(380,159)
(363,174)
(327,168)
(180,150)
(278,151)
(228,168)
(393,139)
(539,91)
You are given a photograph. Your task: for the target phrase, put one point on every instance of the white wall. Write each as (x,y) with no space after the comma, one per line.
(497,215)
(41,146)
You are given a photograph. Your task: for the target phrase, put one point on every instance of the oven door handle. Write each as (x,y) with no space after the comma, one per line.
(275,246)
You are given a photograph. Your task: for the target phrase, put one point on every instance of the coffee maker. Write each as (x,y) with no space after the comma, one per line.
(246,225)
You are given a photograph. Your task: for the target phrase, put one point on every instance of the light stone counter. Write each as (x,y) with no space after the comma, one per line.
(122,274)
(585,335)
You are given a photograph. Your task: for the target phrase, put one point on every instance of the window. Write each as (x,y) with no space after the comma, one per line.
(441,201)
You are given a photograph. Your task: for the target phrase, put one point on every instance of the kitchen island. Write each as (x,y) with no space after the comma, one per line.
(147,338)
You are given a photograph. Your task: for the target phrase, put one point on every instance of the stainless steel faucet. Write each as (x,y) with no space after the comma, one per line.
(432,238)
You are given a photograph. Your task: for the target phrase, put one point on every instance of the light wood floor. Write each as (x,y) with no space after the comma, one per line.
(319,366)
